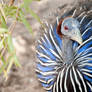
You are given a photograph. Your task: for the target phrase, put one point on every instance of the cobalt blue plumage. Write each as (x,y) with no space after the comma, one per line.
(51,69)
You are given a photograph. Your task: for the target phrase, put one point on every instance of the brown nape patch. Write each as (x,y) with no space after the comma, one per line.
(59,28)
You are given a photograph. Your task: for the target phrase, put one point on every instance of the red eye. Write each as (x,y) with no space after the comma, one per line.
(65,27)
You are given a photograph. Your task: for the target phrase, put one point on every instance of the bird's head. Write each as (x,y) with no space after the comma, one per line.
(70,28)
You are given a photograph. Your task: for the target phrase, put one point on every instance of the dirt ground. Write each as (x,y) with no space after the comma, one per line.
(24,79)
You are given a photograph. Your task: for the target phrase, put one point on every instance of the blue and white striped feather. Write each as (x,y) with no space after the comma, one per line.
(53,73)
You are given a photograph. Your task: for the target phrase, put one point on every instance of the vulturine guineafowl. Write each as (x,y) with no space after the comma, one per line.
(65,53)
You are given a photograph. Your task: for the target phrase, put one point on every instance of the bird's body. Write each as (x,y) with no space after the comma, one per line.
(65,60)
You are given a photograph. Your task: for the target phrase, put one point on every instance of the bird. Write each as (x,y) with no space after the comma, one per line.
(64,53)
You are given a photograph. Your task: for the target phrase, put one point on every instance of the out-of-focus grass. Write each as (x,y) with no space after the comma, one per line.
(17,13)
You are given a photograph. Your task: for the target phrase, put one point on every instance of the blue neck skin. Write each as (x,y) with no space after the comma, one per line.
(67,50)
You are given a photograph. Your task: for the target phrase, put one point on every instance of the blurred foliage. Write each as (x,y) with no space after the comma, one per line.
(17,14)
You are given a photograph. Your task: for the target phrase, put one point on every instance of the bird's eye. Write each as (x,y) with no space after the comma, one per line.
(65,27)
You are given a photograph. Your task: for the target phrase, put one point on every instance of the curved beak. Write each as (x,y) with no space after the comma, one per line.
(77,36)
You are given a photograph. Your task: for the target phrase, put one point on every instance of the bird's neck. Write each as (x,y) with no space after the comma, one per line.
(67,50)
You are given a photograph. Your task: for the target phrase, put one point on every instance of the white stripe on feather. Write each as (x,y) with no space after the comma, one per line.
(46,73)
(90,86)
(89,11)
(54,87)
(43,40)
(61,78)
(45,30)
(83,19)
(85,61)
(48,88)
(85,64)
(81,77)
(82,53)
(55,54)
(58,78)
(80,15)
(74,13)
(86,70)
(65,81)
(89,23)
(57,47)
(76,79)
(72,81)
(39,41)
(57,20)
(83,57)
(48,64)
(82,44)
(47,38)
(86,31)
(43,56)
(50,80)
(87,74)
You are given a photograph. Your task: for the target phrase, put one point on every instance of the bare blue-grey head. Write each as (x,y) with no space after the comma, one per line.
(70,30)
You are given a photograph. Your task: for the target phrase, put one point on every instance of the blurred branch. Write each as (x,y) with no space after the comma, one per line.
(11,28)
(11,2)
(17,14)
(2,12)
